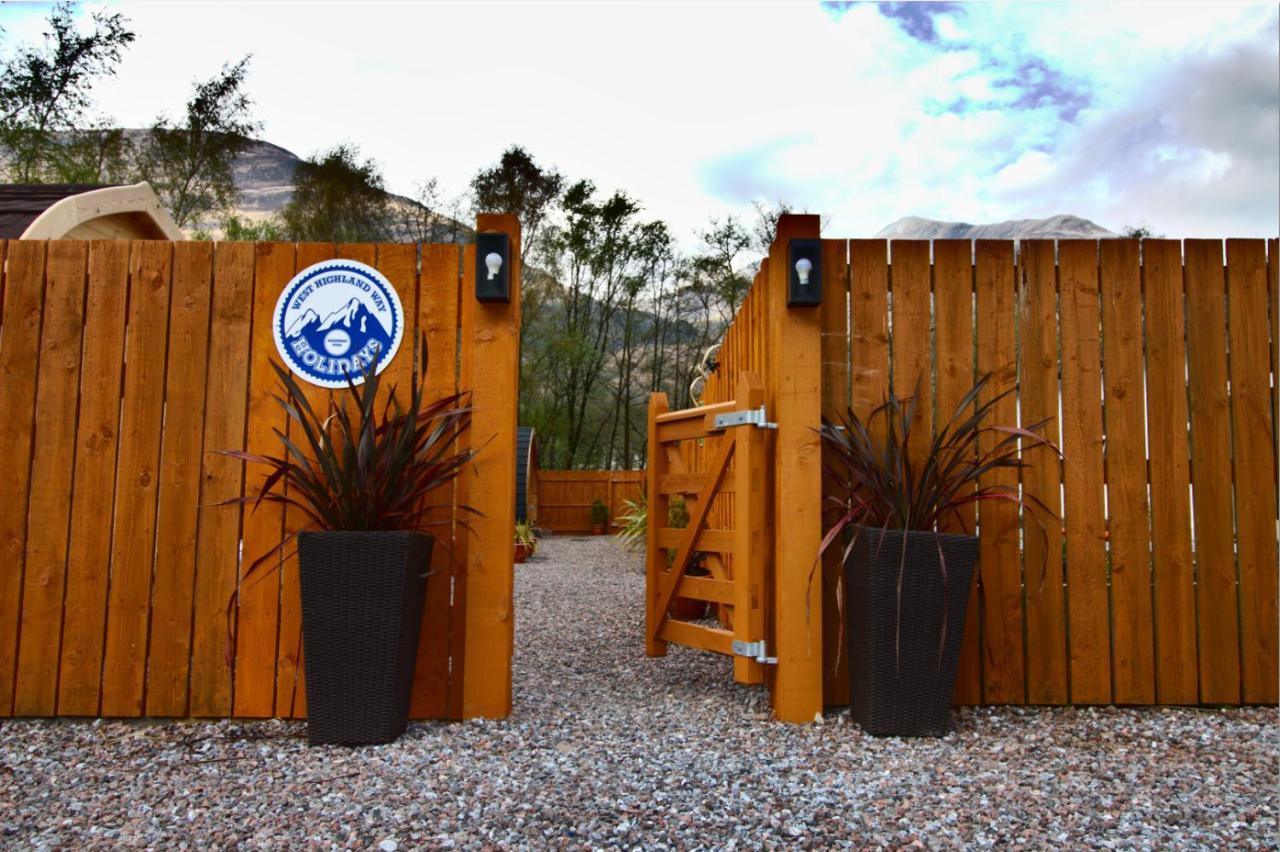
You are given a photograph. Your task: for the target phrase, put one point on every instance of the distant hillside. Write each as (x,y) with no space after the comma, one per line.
(264,183)
(1062,227)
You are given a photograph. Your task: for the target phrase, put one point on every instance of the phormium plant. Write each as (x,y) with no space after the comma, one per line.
(363,466)
(878,482)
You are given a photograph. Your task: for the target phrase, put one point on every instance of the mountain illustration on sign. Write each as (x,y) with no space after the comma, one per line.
(341,333)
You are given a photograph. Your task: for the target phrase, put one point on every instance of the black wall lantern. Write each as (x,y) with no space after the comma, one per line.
(804,273)
(493,268)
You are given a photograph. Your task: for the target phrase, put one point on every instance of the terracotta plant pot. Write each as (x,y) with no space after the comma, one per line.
(597,529)
(687,609)
(523,552)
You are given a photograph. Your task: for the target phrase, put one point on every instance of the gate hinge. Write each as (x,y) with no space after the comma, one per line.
(751,417)
(755,650)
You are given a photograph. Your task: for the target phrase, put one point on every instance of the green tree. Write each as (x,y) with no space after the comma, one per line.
(190,166)
(518,185)
(45,89)
(95,154)
(1139,232)
(338,198)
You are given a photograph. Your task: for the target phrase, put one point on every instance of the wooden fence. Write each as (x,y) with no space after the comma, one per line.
(1158,364)
(565,496)
(124,367)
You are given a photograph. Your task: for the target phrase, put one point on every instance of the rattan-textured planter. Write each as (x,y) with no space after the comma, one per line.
(900,681)
(362,595)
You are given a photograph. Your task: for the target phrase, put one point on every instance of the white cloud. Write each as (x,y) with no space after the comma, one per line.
(696,108)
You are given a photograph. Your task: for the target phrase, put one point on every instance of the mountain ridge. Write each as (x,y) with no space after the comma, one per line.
(1059,227)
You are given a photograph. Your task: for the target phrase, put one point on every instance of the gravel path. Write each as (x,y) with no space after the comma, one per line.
(609,749)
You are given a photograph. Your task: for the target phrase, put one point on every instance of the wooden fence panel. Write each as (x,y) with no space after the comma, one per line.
(911,335)
(1097,340)
(52,469)
(23,310)
(1254,443)
(1000,592)
(1132,630)
(1088,627)
(97,441)
(258,591)
(836,336)
(120,388)
(565,497)
(953,351)
(1211,473)
(173,589)
(137,480)
(1042,549)
(1174,601)
(437,312)
(290,698)
(222,478)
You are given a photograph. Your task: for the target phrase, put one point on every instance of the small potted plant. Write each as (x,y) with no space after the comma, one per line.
(906,582)
(599,517)
(363,555)
(526,541)
(686,609)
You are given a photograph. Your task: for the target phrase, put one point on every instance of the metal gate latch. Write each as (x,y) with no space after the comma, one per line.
(751,417)
(755,650)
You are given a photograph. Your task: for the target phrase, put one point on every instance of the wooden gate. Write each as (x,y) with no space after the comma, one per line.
(714,457)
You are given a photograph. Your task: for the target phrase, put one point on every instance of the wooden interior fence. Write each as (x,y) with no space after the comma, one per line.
(124,367)
(565,496)
(1157,362)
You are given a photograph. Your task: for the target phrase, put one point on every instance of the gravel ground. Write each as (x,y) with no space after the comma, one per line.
(609,749)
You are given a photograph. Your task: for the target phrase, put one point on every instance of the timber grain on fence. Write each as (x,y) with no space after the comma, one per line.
(565,497)
(124,367)
(1157,363)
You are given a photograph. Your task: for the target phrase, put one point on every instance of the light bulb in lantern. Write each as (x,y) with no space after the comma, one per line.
(803,267)
(493,261)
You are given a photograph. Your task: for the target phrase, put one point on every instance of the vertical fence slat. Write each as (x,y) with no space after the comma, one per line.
(868,324)
(437,317)
(1211,473)
(97,441)
(835,401)
(953,353)
(1254,447)
(494,346)
(290,693)
(1177,680)
(137,480)
(222,478)
(1088,620)
(52,469)
(258,610)
(912,336)
(1042,549)
(1132,631)
(1003,669)
(168,658)
(19,341)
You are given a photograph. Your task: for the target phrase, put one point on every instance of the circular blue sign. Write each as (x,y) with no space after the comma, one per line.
(334,319)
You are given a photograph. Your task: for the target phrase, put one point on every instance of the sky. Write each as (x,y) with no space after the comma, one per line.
(1158,114)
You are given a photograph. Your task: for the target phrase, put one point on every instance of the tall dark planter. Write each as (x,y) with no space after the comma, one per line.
(902,671)
(362,595)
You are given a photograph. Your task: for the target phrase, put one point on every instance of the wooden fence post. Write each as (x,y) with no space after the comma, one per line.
(495,358)
(797,695)
(657,518)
